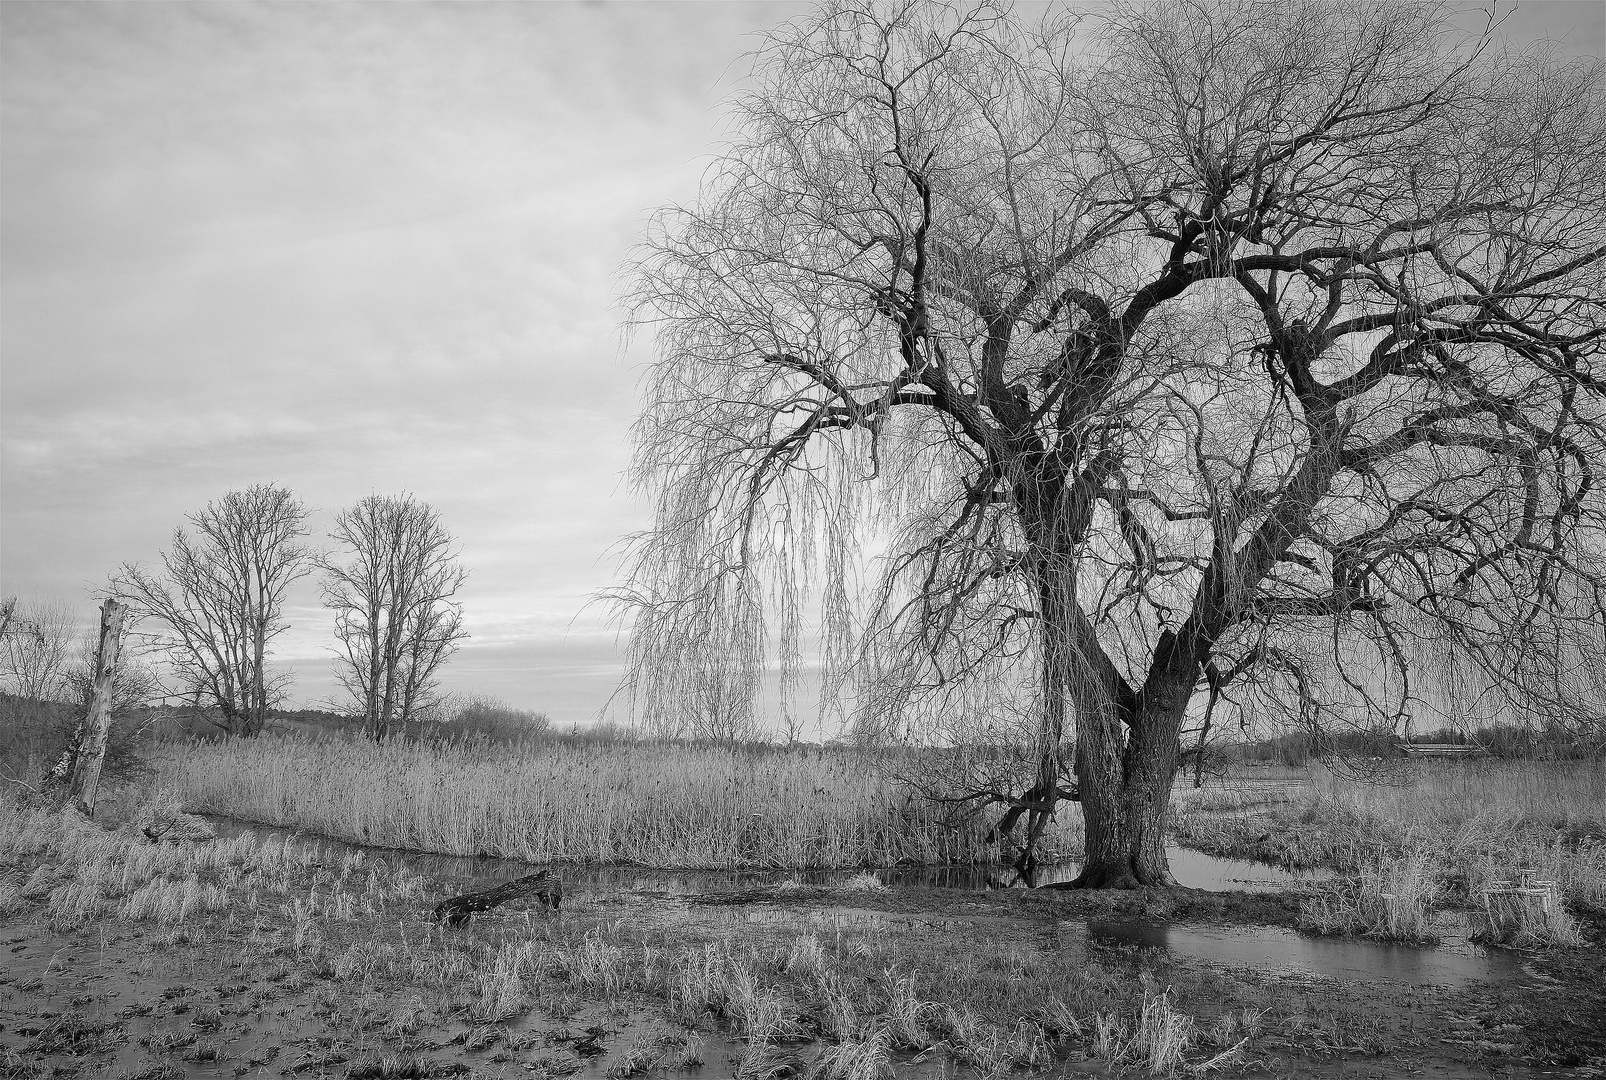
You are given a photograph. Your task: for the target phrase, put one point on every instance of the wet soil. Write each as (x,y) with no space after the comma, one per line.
(118,999)
(142,1005)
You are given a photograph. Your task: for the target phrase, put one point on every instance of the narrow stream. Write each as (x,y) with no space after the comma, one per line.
(1193,869)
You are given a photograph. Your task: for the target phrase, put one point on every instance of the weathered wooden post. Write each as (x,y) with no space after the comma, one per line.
(98,723)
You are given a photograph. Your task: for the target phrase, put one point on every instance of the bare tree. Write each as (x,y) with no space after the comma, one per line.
(36,649)
(1175,353)
(394,613)
(219,601)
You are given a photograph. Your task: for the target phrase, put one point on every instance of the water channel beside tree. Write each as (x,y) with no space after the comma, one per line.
(1455,961)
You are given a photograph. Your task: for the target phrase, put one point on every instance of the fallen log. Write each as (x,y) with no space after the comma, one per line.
(541,885)
(178,828)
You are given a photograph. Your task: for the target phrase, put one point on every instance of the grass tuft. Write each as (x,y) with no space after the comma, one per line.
(1393,899)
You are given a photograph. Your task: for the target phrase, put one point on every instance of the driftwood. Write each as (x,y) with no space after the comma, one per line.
(541,885)
(177,828)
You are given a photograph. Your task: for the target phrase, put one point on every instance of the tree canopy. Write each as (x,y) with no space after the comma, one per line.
(1160,356)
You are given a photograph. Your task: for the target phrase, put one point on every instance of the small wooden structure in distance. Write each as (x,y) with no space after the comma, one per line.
(1446,750)
(1508,903)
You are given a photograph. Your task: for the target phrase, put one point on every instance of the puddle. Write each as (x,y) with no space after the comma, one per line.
(1455,963)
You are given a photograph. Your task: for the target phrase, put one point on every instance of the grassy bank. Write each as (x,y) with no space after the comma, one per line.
(694,807)
(1424,835)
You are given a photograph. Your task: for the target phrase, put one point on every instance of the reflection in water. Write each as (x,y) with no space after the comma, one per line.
(1210,873)
(1278,948)
(1191,868)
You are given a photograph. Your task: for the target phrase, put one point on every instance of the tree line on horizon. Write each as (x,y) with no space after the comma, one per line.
(211,607)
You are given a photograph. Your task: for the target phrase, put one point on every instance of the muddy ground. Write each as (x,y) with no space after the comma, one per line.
(230,996)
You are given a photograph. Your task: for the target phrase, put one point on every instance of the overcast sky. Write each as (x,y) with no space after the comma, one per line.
(356,248)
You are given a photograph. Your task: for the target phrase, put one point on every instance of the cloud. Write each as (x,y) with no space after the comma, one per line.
(351,248)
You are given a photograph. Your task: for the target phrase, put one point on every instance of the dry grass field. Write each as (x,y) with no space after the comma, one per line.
(663,805)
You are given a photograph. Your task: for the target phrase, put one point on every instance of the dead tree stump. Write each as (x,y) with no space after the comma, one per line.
(541,885)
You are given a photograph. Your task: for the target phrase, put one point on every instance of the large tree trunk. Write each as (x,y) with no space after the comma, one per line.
(1126,760)
(1126,739)
(1123,811)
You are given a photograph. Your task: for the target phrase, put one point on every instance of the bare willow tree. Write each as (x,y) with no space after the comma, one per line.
(390,582)
(1165,357)
(218,602)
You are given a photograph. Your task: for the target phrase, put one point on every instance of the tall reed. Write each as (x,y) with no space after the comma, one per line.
(695,807)
(1483,820)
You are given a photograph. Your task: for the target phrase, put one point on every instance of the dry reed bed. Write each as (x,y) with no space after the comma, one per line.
(676,806)
(1481,822)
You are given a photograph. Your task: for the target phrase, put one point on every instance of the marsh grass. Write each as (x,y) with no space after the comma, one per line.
(85,874)
(1157,1040)
(665,805)
(642,1056)
(1475,822)
(1391,900)
(863,1058)
(1483,819)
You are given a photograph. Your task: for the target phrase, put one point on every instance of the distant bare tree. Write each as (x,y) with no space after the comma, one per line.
(1172,353)
(219,601)
(390,582)
(36,650)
